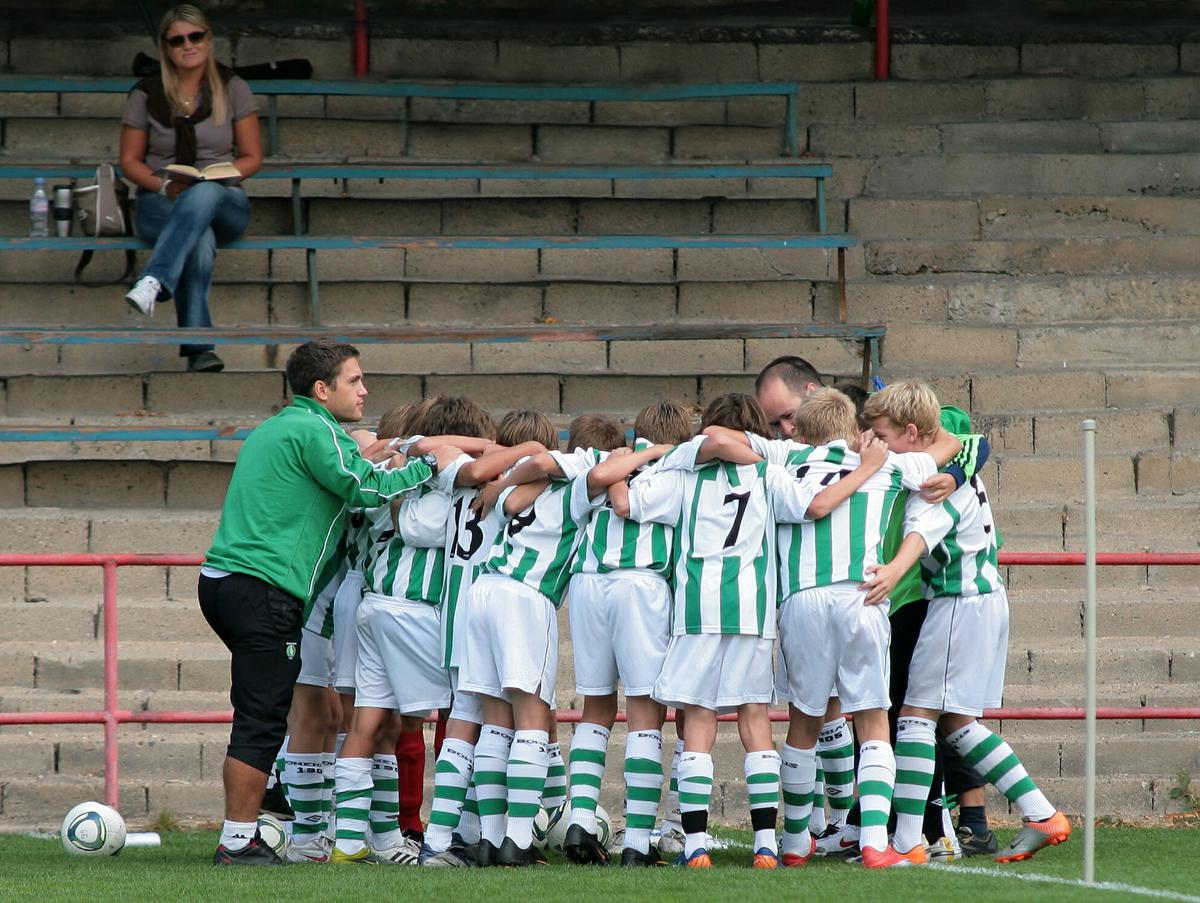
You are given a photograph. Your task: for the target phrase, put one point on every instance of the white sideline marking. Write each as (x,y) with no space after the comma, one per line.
(1116,886)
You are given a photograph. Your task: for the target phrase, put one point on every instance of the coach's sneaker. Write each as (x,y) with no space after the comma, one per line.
(795,860)
(584,848)
(1034,835)
(256,852)
(765,858)
(362,857)
(311,851)
(487,855)
(451,858)
(698,860)
(144,294)
(892,858)
(275,802)
(973,844)
(944,849)
(631,858)
(513,856)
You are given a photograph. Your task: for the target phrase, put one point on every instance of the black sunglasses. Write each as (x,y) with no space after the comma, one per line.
(195,37)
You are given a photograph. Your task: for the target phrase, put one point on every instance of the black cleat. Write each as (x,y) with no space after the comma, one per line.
(275,802)
(631,858)
(513,856)
(583,848)
(487,855)
(973,844)
(254,853)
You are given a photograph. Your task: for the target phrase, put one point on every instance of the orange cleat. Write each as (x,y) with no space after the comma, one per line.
(795,860)
(892,858)
(765,859)
(698,860)
(1035,835)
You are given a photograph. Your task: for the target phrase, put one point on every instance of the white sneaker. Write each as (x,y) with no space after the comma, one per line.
(945,849)
(143,295)
(406,852)
(313,851)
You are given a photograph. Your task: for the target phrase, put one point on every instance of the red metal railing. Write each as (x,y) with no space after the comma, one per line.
(113,716)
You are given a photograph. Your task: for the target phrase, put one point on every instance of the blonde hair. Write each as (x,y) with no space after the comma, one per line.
(906,402)
(665,423)
(219,100)
(526,426)
(826,415)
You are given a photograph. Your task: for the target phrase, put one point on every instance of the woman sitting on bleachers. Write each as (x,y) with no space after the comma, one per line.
(197,113)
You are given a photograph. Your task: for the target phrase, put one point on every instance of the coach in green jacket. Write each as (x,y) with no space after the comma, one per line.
(283,516)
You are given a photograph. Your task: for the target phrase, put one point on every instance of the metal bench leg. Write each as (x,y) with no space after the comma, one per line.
(314,291)
(272,125)
(791,140)
(841,278)
(297,209)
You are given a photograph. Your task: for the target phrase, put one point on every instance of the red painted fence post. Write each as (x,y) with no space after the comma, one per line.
(112,790)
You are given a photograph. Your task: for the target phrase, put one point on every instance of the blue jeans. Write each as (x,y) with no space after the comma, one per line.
(185,233)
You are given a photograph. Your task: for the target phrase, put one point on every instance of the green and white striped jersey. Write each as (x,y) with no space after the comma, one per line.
(318,610)
(358,540)
(725,580)
(611,542)
(842,545)
(468,541)
(960,539)
(536,546)
(407,560)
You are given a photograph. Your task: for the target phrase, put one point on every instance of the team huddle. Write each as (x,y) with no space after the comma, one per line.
(710,572)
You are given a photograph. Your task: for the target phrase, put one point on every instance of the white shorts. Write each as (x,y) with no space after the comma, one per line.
(512,640)
(958,663)
(316,660)
(345,633)
(716,671)
(620,629)
(399,660)
(466,706)
(833,641)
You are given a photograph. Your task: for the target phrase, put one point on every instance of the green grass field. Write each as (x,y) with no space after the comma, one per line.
(1146,859)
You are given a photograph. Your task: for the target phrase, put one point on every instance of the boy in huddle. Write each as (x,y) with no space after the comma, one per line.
(720,653)
(511,654)
(620,616)
(453,830)
(965,630)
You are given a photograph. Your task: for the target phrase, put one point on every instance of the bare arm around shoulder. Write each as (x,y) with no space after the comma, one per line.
(721,443)
(873,452)
(489,466)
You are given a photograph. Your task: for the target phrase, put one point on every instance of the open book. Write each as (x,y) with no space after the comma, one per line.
(214,172)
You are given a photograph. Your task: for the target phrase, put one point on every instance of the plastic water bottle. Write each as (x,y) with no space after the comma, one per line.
(39,211)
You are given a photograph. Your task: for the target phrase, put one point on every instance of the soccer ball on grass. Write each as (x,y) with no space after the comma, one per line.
(93,829)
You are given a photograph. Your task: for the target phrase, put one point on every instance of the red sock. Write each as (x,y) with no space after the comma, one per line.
(410,760)
(439,733)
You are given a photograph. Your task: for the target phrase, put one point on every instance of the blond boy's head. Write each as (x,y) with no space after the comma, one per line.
(905,415)
(526,426)
(735,411)
(665,423)
(825,416)
(595,431)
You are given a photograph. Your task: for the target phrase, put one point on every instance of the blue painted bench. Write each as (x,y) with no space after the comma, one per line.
(447,91)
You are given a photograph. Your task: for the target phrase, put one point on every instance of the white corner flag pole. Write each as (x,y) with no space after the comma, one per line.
(1089,622)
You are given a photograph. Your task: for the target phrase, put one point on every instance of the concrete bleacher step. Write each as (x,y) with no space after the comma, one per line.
(166,664)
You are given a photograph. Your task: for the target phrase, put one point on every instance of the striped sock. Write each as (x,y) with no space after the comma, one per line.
(695,794)
(816,822)
(555,793)
(328,760)
(491,781)
(876,782)
(835,746)
(353,794)
(304,783)
(999,766)
(915,742)
(762,788)
(799,776)
(468,824)
(643,787)
(385,802)
(588,748)
(451,777)
(528,762)
(671,812)
(280,760)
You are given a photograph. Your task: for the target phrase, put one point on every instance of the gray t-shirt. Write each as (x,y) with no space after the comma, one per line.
(214,143)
